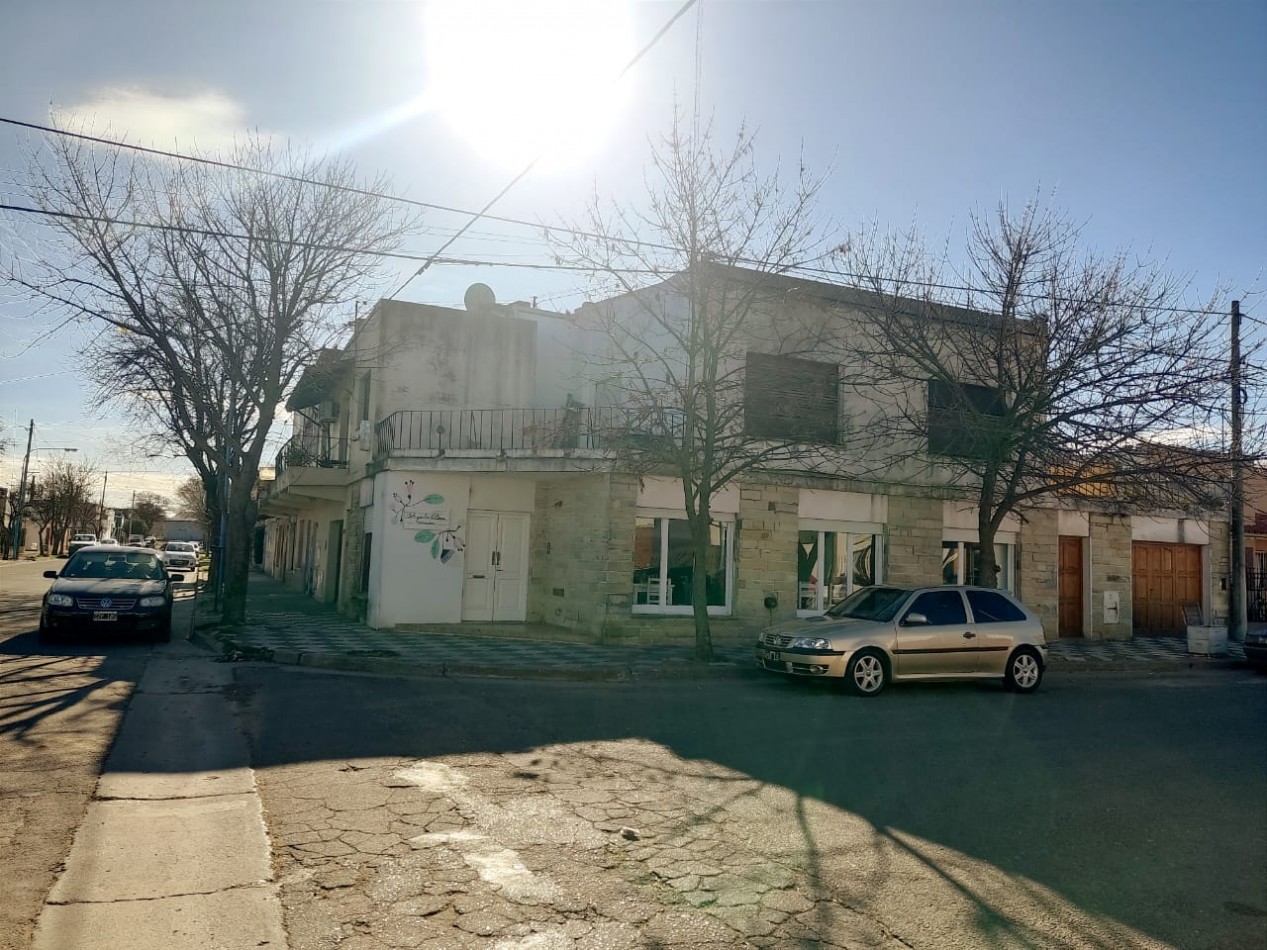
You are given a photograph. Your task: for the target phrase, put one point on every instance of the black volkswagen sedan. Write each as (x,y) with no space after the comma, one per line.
(111,590)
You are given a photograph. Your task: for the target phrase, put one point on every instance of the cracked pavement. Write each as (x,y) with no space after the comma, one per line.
(455,814)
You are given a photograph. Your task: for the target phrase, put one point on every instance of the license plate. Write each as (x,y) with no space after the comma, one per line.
(774,655)
(105,615)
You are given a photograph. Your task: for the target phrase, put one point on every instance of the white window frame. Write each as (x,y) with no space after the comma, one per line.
(1004,555)
(851,532)
(727,523)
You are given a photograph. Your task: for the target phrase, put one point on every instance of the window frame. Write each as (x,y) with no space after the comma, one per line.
(1004,555)
(727,525)
(821,604)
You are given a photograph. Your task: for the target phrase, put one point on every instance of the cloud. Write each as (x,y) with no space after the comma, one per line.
(204,121)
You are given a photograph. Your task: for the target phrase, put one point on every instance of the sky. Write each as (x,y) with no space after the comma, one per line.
(1147,119)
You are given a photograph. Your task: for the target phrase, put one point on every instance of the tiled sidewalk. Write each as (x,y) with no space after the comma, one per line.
(298,630)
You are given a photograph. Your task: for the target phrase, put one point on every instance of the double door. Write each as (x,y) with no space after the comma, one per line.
(495,586)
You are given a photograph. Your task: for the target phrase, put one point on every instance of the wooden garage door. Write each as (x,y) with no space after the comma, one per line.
(1166,576)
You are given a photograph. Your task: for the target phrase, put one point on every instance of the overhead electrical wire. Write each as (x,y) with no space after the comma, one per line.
(533,162)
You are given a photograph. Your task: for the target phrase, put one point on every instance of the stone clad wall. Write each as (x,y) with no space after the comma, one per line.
(765,552)
(350,594)
(1038,567)
(913,540)
(572,548)
(1220,571)
(1110,571)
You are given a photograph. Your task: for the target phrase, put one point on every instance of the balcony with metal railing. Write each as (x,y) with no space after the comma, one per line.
(543,432)
(311,464)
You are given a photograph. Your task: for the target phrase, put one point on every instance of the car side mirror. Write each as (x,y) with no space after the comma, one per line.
(50,573)
(914,619)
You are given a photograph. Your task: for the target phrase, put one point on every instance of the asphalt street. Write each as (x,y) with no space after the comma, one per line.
(1108,810)
(59,711)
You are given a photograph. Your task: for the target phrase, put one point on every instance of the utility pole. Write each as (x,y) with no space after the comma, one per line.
(101,523)
(17,514)
(1237,619)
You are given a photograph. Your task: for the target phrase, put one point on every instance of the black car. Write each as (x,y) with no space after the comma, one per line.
(110,589)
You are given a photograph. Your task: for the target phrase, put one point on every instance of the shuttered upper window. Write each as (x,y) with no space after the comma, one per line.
(790,398)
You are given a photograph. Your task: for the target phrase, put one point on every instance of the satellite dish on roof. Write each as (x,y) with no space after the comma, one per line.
(479,297)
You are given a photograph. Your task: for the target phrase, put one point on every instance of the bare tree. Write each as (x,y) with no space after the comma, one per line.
(213,287)
(61,501)
(147,511)
(685,306)
(191,497)
(1039,369)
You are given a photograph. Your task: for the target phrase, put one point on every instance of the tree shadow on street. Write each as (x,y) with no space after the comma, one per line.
(41,682)
(997,796)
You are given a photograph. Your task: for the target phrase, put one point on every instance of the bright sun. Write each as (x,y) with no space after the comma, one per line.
(519,79)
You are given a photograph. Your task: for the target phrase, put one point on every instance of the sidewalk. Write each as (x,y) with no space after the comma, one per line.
(288,627)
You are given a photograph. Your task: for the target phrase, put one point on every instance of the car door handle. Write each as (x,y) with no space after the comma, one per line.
(477,577)
(969,635)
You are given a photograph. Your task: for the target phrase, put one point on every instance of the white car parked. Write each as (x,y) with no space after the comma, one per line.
(180,556)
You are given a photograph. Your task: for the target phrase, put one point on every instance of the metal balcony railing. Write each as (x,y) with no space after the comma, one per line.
(312,450)
(455,430)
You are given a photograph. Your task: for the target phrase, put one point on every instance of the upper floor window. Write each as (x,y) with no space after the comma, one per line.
(958,417)
(365,398)
(790,398)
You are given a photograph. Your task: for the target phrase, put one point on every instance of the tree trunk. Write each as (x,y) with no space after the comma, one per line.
(237,553)
(211,489)
(700,527)
(989,569)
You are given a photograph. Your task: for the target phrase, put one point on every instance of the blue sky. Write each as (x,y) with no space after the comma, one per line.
(1149,119)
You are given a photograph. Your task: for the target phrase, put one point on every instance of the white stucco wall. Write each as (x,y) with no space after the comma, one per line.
(411,581)
(666,494)
(1170,530)
(408,583)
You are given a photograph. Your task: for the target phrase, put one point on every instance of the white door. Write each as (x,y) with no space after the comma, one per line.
(496,566)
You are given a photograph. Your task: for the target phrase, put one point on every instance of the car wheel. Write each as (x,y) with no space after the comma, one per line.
(46,633)
(867,673)
(1024,671)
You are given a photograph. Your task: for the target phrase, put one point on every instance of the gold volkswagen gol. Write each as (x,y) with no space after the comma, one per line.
(885,633)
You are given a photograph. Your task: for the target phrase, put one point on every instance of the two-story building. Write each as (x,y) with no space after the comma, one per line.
(455,467)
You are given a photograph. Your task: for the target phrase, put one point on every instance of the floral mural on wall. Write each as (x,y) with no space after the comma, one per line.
(432,522)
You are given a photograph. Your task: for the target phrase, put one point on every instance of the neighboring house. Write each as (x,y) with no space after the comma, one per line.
(1256,544)
(173,529)
(450,467)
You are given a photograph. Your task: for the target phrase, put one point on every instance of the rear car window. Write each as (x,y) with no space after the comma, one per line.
(991,607)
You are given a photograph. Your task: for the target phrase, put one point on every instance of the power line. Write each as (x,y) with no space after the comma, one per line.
(546,228)
(533,163)
(523,265)
(310,245)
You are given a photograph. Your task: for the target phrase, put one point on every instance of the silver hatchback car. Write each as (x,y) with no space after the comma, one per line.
(885,633)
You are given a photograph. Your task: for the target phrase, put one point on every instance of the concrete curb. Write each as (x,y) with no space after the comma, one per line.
(207,638)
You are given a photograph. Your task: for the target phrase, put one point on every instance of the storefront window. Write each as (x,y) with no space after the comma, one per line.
(830,565)
(664,566)
(961,563)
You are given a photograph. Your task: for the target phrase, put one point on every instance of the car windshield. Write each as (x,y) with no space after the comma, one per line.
(870,603)
(83,537)
(179,546)
(113,564)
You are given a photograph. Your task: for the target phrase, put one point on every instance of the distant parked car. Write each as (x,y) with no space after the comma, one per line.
(80,541)
(111,590)
(180,556)
(882,634)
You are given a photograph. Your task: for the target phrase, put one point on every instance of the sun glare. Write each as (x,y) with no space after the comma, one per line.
(520,79)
